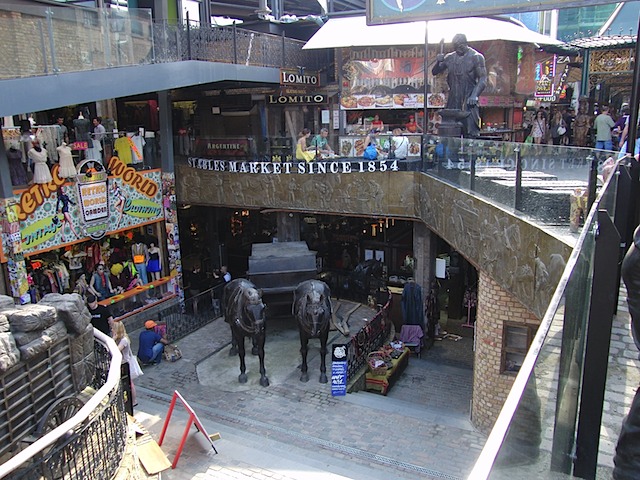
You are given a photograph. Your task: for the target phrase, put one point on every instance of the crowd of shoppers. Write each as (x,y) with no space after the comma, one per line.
(604,130)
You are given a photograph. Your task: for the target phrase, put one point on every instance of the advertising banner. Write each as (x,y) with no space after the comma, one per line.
(383,83)
(398,11)
(56,213)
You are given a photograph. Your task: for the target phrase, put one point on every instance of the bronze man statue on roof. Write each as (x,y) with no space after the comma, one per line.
(467,78)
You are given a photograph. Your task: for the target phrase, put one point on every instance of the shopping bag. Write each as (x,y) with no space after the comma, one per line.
(370,153)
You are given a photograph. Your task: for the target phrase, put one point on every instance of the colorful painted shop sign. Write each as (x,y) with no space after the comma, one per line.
(59,212)
(92,185)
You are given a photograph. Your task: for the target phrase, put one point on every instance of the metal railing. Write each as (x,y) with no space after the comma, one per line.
(194,313)
(90,444)
(370,338)
(50,40)
(539,183)
(560,385)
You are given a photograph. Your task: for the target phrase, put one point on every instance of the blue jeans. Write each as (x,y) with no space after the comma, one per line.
(142,272)
(158,348)
(604,145)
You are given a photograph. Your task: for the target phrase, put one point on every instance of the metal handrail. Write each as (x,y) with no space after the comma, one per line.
(107,390)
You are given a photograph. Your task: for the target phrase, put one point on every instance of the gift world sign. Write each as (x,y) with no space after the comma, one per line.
(399,11)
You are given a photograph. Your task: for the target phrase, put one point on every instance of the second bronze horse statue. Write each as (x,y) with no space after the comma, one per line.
(312,310)
(245,314)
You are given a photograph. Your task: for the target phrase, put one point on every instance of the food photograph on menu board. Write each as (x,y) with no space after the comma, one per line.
(383,83)
(436,100)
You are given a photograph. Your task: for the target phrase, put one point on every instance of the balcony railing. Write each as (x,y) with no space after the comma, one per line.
(49,40)
(90,444)
(550,422)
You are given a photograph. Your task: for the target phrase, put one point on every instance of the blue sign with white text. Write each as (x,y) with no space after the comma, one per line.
(339,370)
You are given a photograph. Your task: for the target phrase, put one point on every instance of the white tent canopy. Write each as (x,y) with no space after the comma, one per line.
(354,32)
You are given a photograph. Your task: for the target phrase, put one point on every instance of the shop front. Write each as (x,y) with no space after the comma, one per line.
(66,229)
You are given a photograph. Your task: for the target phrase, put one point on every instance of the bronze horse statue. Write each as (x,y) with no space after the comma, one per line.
(245,314)
(312,310)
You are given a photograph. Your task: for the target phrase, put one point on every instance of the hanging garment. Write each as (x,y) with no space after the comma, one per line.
(123,149)
(412,309)
(67,167)
(137,148)
(16,168)
(41,173)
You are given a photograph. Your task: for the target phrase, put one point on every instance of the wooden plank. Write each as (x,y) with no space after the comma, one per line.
(151,456)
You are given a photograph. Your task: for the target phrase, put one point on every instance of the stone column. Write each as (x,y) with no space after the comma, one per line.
(490,385)
(424,253)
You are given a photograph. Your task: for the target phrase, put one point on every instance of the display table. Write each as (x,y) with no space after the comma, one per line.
(382,383)
(139,298)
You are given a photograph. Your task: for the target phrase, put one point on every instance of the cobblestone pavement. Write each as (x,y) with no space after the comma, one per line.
(294,430)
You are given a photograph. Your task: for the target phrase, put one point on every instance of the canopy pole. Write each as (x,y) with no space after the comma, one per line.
(425,119)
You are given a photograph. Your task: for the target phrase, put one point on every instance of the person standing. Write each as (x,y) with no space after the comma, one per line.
(101,317)
(151,344)
(569,117)
(97,137)
(100,285)
(558,128)
(400,144)
(539,127)
(63,131)
(618,127)
(119,335)
(603,125)
(196,285)
(467,78)
(224,274)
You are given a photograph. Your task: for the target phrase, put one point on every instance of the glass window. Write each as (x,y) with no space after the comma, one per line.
(516,340)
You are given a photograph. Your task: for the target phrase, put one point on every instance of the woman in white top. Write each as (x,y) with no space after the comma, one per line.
(119,335)
(400,144)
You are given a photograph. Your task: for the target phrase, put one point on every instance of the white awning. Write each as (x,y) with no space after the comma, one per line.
(354,32)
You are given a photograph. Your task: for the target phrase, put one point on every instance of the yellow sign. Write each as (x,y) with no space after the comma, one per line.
(40,231)
(142,208)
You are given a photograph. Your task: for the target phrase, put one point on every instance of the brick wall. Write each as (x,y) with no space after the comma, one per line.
(82,40)
(490,387)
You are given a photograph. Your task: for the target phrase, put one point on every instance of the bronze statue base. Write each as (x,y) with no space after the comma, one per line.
(451,124)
